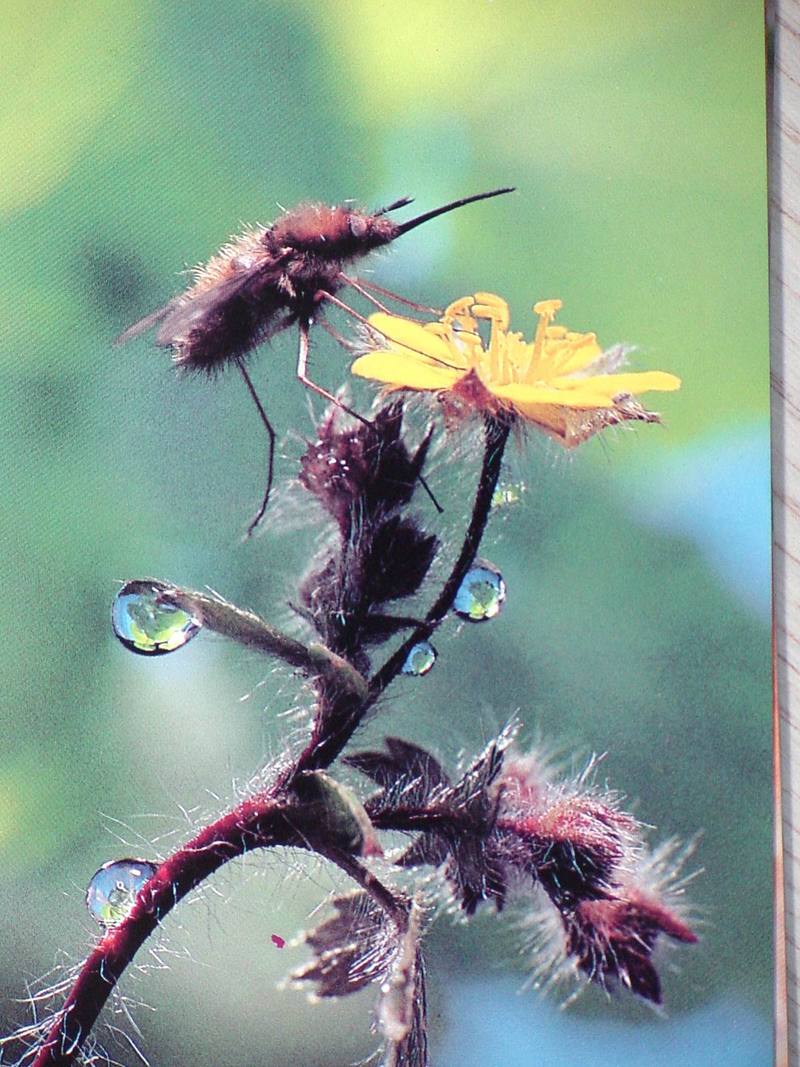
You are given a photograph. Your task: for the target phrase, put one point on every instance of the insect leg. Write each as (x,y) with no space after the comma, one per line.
(348,346)
(323,294)
(259,515)
(302,371)
(361,284)
(359,287)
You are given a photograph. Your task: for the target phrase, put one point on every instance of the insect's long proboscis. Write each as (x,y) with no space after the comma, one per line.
(428,215)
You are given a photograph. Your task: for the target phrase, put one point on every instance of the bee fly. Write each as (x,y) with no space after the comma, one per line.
(269,278)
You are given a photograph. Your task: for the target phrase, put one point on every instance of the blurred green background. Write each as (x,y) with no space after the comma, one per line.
(136,137)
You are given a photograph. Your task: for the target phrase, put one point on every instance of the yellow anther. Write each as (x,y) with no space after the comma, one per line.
(457,309)
(547,308)
(490,306)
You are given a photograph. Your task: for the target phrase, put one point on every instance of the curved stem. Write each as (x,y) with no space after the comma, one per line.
(260,822)
(496,436)
(256,823)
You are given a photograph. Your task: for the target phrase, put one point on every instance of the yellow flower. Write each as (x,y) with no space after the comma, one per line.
(561,381)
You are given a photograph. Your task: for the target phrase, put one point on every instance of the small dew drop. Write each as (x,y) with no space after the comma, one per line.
(420,659)
(505,496)
(148,623)
(482,593)
(112,890)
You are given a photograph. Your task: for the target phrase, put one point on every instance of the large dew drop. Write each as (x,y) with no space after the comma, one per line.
(147,622)
(420,659)
(113,889)
(482,593)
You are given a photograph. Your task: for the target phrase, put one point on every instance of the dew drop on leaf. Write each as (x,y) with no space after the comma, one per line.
(147,622)
(113,889)
(420,659)
(480,596)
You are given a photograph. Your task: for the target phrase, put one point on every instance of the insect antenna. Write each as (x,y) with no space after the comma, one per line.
(412,224)
(404,201)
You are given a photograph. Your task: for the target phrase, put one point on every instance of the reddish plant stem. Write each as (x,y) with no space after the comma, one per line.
(256,823)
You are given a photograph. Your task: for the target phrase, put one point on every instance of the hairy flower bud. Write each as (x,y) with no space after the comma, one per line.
(608,901)
(612,940)
(364,476)
(570,838)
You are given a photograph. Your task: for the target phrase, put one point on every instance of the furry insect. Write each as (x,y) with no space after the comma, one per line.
(270,278)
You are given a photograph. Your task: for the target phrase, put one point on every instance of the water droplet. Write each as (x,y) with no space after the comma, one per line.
(147,622)
(113,889)
(505,496)
(420,659)
(480,596)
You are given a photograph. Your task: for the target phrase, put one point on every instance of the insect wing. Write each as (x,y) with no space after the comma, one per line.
(187,313)
(145,324)
(212,328)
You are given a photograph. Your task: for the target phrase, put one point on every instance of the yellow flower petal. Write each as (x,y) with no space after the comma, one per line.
(414,336)
(572,353)
(529,396)
(616,384)
(405,370)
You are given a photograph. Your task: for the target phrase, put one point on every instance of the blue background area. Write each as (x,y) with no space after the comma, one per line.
(716,492)
(724,1033)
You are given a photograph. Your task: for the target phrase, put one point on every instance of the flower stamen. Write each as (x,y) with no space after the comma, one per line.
(491,307)
(546,310)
